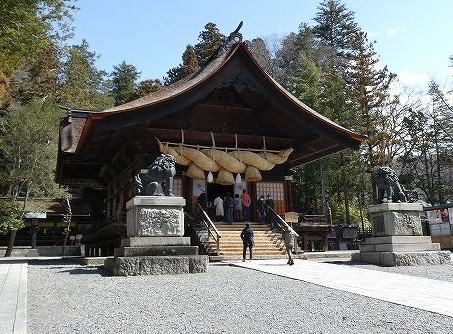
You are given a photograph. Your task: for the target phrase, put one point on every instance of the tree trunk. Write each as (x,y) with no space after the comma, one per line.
(12,238)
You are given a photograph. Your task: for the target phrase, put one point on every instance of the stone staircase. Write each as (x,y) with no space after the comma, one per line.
(268,243)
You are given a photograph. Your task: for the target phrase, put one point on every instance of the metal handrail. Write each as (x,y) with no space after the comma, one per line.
(283,225)
(210,226)
(280,221)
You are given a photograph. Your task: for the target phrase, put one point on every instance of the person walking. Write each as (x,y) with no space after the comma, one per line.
(247,241)
(246,201)
(288,236)
(261,209)
(237,206)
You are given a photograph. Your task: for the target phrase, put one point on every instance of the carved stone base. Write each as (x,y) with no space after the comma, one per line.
(156,251)
(395,219)
(397,238)
(155,244)
(156,265)
(155,241)
(393,259)
(149,216)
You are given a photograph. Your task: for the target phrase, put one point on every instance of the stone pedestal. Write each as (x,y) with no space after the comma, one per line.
(155,244)
(397,238)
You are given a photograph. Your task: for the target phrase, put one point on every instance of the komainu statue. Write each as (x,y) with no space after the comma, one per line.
(160,172)
(388,186)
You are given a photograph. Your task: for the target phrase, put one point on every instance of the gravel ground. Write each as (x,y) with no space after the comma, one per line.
(68,298)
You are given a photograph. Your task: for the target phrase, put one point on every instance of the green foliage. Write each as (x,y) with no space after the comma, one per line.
(146,87)
(27,29)
(174,74)
(307,83)
(189,61)
(38,78)
(189,65)
(210,40)
(426,160)
(262,55)
(335,26)
(28,147)
(82,85)
(11,215)
(355,217)
(370,87)
(306,189)
(124,78)
(287,59)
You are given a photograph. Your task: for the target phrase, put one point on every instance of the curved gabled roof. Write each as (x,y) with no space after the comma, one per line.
(192,82)
(233,95)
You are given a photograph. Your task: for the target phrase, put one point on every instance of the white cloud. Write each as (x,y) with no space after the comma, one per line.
(413,79)
(390,32)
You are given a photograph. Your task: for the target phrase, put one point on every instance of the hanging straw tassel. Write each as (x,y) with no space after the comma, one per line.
(195,172)
(252,174)
(225,177)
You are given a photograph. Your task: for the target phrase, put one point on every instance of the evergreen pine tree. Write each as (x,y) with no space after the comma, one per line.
(210,40)
(82,85)
(124,78)
(335,26)
(146,87)
(189,65)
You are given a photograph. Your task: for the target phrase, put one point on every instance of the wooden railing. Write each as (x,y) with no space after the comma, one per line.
(212,230)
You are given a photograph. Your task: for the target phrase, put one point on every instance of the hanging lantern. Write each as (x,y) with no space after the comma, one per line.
(210,177)
(238,178)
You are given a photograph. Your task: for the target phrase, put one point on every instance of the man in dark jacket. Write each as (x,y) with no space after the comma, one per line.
(247,240)
(269,204)
(228,205)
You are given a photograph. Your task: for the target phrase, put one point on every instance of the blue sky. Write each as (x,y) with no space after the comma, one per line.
(414,37)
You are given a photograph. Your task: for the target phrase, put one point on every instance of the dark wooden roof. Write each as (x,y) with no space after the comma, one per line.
(231,99)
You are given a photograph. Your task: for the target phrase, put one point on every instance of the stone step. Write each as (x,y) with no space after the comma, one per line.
(267,241)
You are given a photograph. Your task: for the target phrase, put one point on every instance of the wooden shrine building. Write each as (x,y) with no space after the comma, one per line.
(231,106)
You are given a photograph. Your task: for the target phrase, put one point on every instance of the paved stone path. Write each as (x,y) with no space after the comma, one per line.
(422,293)
(13,297)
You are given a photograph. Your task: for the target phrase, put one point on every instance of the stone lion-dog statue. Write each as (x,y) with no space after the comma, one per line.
(388,186)
(160,173)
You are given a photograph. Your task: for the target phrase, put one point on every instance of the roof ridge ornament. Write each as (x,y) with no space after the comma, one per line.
(234,38)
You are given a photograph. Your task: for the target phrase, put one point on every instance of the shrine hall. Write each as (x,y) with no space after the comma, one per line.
(230,126)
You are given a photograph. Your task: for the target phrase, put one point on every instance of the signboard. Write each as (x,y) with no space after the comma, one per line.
(36,215)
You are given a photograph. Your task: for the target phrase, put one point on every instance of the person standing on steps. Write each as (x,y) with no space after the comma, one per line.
(261,208)
(270,204)
(202,199)
(246,201)
(228,205)
(219,211)
(247,241)
(237,206)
